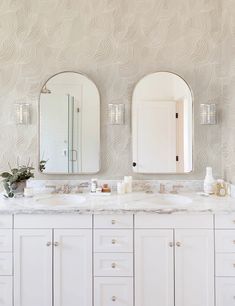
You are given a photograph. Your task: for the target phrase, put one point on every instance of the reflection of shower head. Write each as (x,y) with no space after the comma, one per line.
(45,90)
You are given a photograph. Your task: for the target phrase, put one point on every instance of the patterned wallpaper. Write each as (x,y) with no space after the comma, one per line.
(228,82)
(114,42)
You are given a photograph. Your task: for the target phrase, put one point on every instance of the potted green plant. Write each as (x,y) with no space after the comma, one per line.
(14,181)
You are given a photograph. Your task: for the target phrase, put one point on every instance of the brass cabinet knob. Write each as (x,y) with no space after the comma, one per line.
(113,265)
(171,244)
(178,244)
(114,241)
(114,298)
(48,243)
(113,221)
(56,244)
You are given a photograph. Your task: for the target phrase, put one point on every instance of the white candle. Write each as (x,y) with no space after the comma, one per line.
(121,187)
(128,183)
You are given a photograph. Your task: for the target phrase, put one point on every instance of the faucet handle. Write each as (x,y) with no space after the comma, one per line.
(51,187)
(66,188)
(175,188)
(162,188)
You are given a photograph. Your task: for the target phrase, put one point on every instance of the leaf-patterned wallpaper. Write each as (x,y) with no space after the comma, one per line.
(115,42)
(228,87)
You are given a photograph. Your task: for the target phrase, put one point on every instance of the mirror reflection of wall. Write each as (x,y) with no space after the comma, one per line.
(162,124)
(70,124)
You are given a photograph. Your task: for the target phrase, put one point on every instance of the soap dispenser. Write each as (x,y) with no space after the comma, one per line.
(209,181)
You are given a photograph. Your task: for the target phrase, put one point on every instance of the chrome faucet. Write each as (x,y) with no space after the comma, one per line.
(81,186)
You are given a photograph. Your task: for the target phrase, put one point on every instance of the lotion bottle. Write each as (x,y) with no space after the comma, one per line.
(221,189)
(209,181)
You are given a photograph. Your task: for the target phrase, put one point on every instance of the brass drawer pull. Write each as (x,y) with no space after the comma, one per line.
(178,244)
(113,221)
(114,298)
(48,243)
(171,244)
(56,244)
(114,241)
(113,265)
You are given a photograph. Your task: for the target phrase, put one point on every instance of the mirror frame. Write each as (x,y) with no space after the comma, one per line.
(38,127)
(193,125)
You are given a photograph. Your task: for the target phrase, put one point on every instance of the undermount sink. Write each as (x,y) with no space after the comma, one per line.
(61,199)
(171,200)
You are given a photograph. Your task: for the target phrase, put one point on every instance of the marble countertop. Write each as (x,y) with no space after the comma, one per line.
(133,203)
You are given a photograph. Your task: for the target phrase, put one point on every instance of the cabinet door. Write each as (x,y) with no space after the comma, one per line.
(33,267)
(225,291)
(194,267)
(154,271)
(5,290)
(116,291)
(73,267)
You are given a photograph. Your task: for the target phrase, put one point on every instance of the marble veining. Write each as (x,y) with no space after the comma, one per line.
(134,203)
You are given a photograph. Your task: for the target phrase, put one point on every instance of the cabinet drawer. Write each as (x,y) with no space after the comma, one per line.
(113,240)
(5,264)
(113,221)
(225,221)
(174,221)
(53,221)
(225,291)
(5,240)
(6,290)
(116,291)
(6,221)
(117,264)
(225,264)
(225,241)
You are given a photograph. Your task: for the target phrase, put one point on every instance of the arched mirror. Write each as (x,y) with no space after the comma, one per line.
(162,124)
(69,111)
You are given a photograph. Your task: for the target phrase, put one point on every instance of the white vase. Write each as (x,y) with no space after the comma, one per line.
(209,181)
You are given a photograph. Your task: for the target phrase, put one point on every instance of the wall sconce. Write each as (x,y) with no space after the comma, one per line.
(22,113)
(116,114)
(208,114)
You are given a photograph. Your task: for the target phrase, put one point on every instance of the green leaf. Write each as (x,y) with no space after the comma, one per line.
(11,195)
(5,174)
(8,190)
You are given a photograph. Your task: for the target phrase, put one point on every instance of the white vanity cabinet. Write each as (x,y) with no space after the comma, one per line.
(174,260)
(113,260)
(120,260)
(6,260)
(154,267)
(225,259)
(33,267)
(53,260)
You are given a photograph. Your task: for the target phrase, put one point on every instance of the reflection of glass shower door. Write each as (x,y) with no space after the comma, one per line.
(73,136)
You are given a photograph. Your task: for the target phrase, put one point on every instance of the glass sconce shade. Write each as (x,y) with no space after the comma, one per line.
(22,113)
(116,113)
(208,114)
